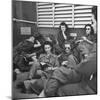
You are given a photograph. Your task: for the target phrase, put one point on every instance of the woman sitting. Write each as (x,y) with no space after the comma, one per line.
(23,52)
(43,67)
(89,34)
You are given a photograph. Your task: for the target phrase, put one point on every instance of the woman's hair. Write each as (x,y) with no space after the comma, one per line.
(92,31)
(94,12)
(52,37)
(63,24)
(47,43)
(66,42)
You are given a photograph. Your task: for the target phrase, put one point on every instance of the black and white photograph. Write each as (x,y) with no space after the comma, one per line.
(54,49)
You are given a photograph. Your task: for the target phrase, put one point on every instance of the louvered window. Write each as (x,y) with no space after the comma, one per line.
(45,14)
(52,14)
(63,12)
(82,15)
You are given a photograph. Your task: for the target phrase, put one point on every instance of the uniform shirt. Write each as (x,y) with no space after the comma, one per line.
(72,61)
(61,39)
(63,73)
(50,60)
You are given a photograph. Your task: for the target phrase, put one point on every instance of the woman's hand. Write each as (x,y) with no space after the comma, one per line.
(38,44)
(64,62)
(34,58)
(78,41)
(17,71)
(31,63)
(49,68)
(39,72)
(84,60)
(84,38)
(30,76)
(42,63)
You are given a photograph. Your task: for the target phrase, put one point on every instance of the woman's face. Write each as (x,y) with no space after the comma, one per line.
(88,30)
(63,28)
(67,48)
(47,48)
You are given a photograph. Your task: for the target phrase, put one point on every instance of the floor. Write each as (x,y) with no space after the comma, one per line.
(16,92)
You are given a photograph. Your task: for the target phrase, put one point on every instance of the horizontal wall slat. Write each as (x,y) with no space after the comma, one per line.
(46,6)
(82,15)
(79,26)
(60,19)
(58,23)
(56,26)
(82,7)
(82,11)
(45,17)
(45,20)
(63,12)
(63,8)
(45,25)
(82,19)
(42,13)
(44,10)
(62,5)
(87,22)
(58,16)
(45,3)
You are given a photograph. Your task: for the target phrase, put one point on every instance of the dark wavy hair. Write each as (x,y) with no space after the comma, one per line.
(63,24)
(47,43)
(92,31)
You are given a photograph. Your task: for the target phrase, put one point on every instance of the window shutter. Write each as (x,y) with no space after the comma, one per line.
(82,15)
(52,14)
(44,14)
(63,12)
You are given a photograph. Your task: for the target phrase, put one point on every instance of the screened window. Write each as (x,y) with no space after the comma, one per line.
(52,14)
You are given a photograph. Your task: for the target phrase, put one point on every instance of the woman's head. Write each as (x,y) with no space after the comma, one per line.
(63,26)
(32,39)
(51,38)
(47,47)
(88,29)
(67,47)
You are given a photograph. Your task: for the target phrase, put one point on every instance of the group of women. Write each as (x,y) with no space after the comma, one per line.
(58,67)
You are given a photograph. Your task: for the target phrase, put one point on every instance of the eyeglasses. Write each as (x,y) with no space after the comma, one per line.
(88,29)
(67,48)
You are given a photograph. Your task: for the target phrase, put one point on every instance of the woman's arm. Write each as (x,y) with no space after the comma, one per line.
(85,39)
(38,44)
